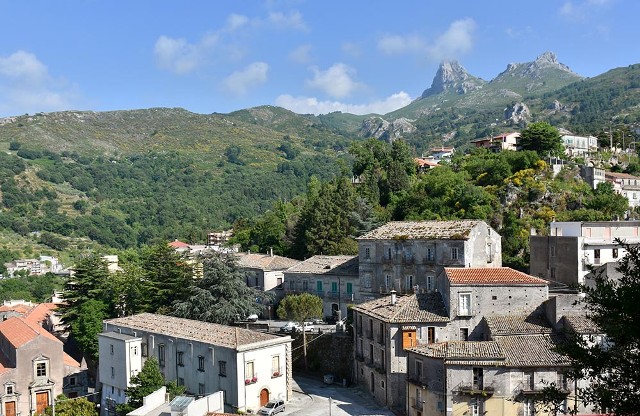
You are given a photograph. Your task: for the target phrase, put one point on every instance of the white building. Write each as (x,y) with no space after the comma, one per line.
(626,185)
(249,367)
(579,145)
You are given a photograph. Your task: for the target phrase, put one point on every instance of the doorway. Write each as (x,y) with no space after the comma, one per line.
(264,397)
(42,402)
(10,408)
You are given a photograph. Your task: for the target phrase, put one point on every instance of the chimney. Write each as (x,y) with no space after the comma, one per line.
(393,297)
(271,251)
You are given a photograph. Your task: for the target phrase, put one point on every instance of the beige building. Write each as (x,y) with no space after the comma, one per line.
(34,369)
(249,367)
(506,141)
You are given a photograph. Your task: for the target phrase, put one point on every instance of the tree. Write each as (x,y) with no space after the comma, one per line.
(300,308)
(543,138)
(148,380)
(610,365)
(221,296)
(87,325)
(79,406)
(127,290)
(168,277)
(88,282)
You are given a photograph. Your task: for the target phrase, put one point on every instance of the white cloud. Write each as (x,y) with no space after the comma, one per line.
(396,44)
(240,82)
(293,20)
(456,40)
(580,11)
(311,105)
(351,49)
(178,55)
(337,81)
(236,21)
(301,54)
(27,87)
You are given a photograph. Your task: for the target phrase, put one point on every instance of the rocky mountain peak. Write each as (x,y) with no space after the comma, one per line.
(451,76)
(547,58)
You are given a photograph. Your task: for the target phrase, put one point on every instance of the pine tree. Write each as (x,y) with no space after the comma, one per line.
(167,275)
(148,380)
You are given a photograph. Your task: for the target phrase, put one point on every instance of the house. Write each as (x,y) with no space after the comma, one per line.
(592,175)
(405,255)
(157,403)
(34,369)
(425,163)
(265,272)
(334,278)
(249,367)
(626,185)
(442,153)
(564,257)
(219,239)
(495,144)
(385,328)
(579,145)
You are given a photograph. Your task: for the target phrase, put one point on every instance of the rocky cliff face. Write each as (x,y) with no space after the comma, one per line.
(451,76)
(544,71)
(383,129)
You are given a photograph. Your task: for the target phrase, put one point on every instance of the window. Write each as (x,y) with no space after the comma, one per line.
(478,375)
(381,333)
(553,251)
(72,381)
(200,363)
(528,408)
(113,372)
(367,253)
(9,389)
(305,285)
(614,253)
(431,334)
(279,282)
(275,365)
(454,253)
(292,285)
(41,369)
(596,253)
(201,389)
(387,281)
(257,281)
(418,369)
(334,287)
(431,254)
(248,370)
(349,288)
(527,380)
(383,359)
(464,304)
(389,253)
(180,358)
(111,349)
(489,253)
(223,368)
(143,349)
(476,406)
(161,355)
(319,286)
(409,280)
(135,350)
(430,283)
(561,381)
(464,334)
(409,338)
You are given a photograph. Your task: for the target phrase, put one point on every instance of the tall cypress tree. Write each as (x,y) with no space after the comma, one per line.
(167,275)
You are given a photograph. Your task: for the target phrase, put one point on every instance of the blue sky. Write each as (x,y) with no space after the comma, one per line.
(308,56)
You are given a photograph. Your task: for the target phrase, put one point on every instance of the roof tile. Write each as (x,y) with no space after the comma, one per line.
(417,230)
(421,307)
(490,276)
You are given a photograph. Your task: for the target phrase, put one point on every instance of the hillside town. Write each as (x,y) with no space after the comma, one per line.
(432,321)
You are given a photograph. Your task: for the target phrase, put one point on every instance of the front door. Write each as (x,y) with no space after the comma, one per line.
(264,397)
(10,409)
(42,402)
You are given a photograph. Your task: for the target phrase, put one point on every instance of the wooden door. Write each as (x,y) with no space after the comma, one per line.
(409,339)
(10,409)
(42,402)
(264,397)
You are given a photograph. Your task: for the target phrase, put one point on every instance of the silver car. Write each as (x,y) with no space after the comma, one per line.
(272,407)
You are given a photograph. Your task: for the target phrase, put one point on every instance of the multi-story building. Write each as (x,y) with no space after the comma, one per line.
(565,256)
(265,272)
(579,145)
(453,310)
(249,367)
(34,369)
(334,278)
(406,255)
(626,185)
(592,175)
(505,141)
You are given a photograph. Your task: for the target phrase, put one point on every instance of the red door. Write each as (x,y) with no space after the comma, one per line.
(264,397)
(42,402)
(10,409)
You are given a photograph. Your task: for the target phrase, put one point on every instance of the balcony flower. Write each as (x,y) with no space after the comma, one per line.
(276,374)
(254,379)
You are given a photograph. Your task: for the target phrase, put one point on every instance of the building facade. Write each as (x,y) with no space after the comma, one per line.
(626,185)
(408,255)
(249,367)
(495,144)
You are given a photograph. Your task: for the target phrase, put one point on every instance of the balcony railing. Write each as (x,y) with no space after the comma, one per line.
(417,403)
(417,380)
(475,389)
(529,389)
(333,295)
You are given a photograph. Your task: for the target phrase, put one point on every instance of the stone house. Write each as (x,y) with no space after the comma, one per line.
(334,278)
(34,369)
(409,255)
(565,256)
(249,367)
(385,328)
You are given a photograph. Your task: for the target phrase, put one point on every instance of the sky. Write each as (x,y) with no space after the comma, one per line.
(314,56)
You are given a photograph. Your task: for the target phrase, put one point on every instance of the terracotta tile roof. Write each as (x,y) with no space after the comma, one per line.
(422,307)
(214,334)
(70,361)
(518,324)
(619,175)
(343,265)
(461,350)
(531,350)
(41,312)
(18,331)
(490,276)
(423,230)
(178,244)
(581,324)
(265,261)
(22,309)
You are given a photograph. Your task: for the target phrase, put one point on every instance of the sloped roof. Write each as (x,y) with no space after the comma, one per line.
(20,308)
(471,350)
(532,350)
(40,312)
(419,307)
(265,261)
(581,324)
(423,230)
(343,265)
(490,276)
(214,334)
(518,324)
(18,331)
(178,244)
(619,175)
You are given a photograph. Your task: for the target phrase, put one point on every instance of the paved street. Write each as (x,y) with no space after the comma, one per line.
(311,398)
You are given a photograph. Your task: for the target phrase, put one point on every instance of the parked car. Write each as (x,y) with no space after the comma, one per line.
(272,407)
(290,327)
(316,321)
(252,318)
(308,327)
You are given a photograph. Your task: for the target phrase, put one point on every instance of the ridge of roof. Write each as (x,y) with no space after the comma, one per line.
(19,331)
(490,276)
(416,230)
(418,307)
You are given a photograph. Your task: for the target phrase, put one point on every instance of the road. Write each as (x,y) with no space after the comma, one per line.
(311,398)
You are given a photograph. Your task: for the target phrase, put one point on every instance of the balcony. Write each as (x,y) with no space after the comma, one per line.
(319,293)
(332,295)
(531,390)
(475,389)
(417,403)
(417,381)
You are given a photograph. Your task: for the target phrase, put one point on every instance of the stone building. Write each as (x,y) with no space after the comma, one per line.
(408,255)
(249,367)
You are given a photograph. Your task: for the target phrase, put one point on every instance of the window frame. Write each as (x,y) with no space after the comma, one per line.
(462,310)
(222,368)
(201,363)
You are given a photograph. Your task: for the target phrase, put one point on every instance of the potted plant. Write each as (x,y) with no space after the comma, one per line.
(254,379)
(247,381)
(276,373)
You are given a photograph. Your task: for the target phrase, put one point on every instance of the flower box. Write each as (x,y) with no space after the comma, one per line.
(276,374)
